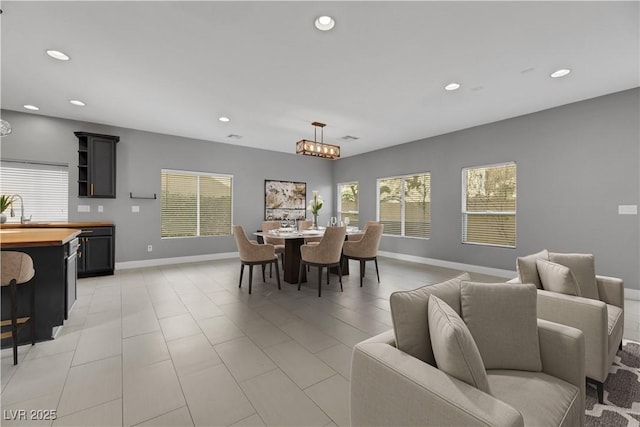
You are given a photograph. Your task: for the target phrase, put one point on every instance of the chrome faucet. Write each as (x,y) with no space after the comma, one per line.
(23,219)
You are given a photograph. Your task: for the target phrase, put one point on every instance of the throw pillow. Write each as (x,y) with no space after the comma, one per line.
(583,268)
(527,270)
(409,315)
(557,278)
(502,319)
(453,347)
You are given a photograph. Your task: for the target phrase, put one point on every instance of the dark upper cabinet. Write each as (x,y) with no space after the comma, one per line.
(96,165)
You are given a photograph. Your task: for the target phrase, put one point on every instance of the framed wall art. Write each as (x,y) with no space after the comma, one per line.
(284,199)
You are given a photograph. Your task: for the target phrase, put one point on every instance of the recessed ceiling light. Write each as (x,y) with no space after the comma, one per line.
(224,119)
(56,54)
(31,107)
(560,73)
(325,23)
(77,102)
(452,86)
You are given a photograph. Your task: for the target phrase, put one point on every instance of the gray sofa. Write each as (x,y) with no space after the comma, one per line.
(393,387)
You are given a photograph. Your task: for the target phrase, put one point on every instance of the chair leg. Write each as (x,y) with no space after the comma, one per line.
(328,271)
(250,277)
(620,346)
(362,265)
(300,274)
(270,270)
(600,391)
(14,319)
(264,278)
(32,314)
(377,273)
(277,275)
(340,276)
(320,280)
(241,273)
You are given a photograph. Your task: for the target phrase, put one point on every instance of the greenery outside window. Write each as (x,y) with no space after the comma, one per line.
(195,204)
(348,204)
(404,205)
(489,205)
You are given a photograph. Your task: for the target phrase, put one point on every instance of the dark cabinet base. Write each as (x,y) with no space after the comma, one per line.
(96,256)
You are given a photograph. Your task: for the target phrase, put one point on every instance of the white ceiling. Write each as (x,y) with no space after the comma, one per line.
(175,67)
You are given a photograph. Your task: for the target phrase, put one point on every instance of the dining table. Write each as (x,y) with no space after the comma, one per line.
(293,240)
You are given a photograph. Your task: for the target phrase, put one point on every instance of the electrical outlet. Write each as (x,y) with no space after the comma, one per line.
(135,209)
(149,248)
(100,208)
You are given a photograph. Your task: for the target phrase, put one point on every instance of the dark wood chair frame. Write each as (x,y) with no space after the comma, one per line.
(363,264)
(320,267)
(16,322)
(263,264)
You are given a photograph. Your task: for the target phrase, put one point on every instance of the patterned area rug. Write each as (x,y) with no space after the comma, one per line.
(621,392)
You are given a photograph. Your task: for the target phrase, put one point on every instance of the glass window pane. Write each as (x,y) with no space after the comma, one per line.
(390,208)
(418,205)
(215,206)
(179,205)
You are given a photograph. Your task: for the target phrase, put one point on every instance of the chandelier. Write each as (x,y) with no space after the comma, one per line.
(315,148)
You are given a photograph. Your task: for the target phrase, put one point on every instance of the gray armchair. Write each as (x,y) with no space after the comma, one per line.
(406,388)
(598,313)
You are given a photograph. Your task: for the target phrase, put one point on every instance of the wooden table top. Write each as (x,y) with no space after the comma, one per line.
(58,224)
(20,238)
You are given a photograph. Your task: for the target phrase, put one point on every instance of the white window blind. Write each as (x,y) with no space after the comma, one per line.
(44,188)
(348,204)
(489,205)
(195,204)
(404,205)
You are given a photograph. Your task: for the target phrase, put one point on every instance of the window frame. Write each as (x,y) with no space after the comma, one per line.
(464,212)
(403,204)
(197,174)
(339,201)
(36,196)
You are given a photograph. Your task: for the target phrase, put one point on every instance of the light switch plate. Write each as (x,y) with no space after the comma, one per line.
(100,208)
(84,208)
(135,209)
(628,210)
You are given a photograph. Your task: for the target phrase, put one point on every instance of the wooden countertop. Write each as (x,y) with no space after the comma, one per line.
(20,238)
(76,224)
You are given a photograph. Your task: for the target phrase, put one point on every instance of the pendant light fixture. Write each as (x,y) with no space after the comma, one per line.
(315,148)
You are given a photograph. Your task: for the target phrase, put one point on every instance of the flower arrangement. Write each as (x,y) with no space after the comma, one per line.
(314,207)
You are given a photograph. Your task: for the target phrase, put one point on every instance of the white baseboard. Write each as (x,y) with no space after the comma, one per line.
(507,274)
(175,260)
(632,294)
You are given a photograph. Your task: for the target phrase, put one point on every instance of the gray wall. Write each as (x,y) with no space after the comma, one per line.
(576,163)
(140,157)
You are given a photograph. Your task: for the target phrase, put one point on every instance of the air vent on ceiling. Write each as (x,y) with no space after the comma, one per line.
(349,138)
(234,136)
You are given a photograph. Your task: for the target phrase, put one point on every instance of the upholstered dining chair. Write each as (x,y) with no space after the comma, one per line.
(252,253)
(17,269)
(305,225)
(327,253)
(365,249)
(354,237)
(278,243)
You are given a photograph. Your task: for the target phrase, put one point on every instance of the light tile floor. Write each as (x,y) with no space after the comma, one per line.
(182,345)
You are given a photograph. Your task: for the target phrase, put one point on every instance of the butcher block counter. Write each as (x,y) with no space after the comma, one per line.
(54,254)
(25,237)
(58,224)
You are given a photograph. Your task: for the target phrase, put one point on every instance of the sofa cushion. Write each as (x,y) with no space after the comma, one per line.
(583,268)
(502,318)
(527,269)
(409,315)
(453,347)
(557,278)
(542,400)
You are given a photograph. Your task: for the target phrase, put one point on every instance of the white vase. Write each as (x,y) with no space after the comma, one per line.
(3,218)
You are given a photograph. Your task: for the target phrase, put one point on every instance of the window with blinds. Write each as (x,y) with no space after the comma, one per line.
(489,205)
(404,205)
(348,204)
(195,204)
(44,188)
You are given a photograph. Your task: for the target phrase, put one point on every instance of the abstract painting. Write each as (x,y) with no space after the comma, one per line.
(284,199)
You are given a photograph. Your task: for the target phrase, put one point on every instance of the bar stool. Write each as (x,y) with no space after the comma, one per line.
(17,269)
